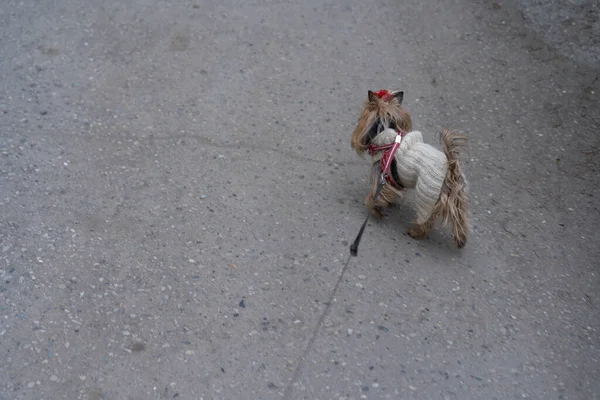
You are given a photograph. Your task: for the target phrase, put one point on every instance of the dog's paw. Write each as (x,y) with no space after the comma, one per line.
(377,212)
(417,233)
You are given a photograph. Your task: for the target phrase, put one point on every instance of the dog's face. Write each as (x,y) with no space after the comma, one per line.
(382,110)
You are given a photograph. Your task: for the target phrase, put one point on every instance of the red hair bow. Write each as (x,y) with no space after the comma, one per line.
(384,94)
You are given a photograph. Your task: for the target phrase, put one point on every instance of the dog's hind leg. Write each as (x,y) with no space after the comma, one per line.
(427,191)
(421,231)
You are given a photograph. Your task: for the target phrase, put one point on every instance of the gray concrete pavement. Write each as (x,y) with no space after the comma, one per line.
(178,193)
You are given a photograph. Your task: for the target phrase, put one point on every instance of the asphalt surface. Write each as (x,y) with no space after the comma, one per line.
(178,194)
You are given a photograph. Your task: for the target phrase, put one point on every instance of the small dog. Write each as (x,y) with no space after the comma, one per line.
(436,176)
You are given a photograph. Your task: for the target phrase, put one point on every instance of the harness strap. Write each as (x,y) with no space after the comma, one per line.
(389,150)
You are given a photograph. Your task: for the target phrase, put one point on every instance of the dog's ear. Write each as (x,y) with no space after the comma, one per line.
(372,97)
(399,96)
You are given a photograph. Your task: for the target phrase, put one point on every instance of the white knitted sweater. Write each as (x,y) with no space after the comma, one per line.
(419,166)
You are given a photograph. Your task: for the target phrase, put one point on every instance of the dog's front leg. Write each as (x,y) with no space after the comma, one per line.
(387,198)
(376,210)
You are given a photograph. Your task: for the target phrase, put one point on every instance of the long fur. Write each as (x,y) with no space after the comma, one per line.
(452,205)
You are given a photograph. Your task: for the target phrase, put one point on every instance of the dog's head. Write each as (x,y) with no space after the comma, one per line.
(382,110)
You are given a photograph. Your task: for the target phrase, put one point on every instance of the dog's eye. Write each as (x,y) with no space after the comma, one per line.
(373,131)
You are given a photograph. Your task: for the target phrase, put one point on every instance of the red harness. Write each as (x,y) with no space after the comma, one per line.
(389,150)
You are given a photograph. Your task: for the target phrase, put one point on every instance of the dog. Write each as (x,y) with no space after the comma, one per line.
(436,176)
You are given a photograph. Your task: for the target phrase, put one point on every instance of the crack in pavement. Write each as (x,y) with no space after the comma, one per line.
(256,148)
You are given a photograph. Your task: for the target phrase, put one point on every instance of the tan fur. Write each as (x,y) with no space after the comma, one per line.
(387,198)
(389,195)
(421,231)
(452,206)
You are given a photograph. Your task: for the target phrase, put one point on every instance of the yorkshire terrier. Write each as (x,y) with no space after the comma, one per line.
(440,186)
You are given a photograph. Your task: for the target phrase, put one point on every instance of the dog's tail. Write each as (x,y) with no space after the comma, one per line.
(452,205)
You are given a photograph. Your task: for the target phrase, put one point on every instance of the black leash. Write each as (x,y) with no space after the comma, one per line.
(290,386)
(353,252)
(354,246)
